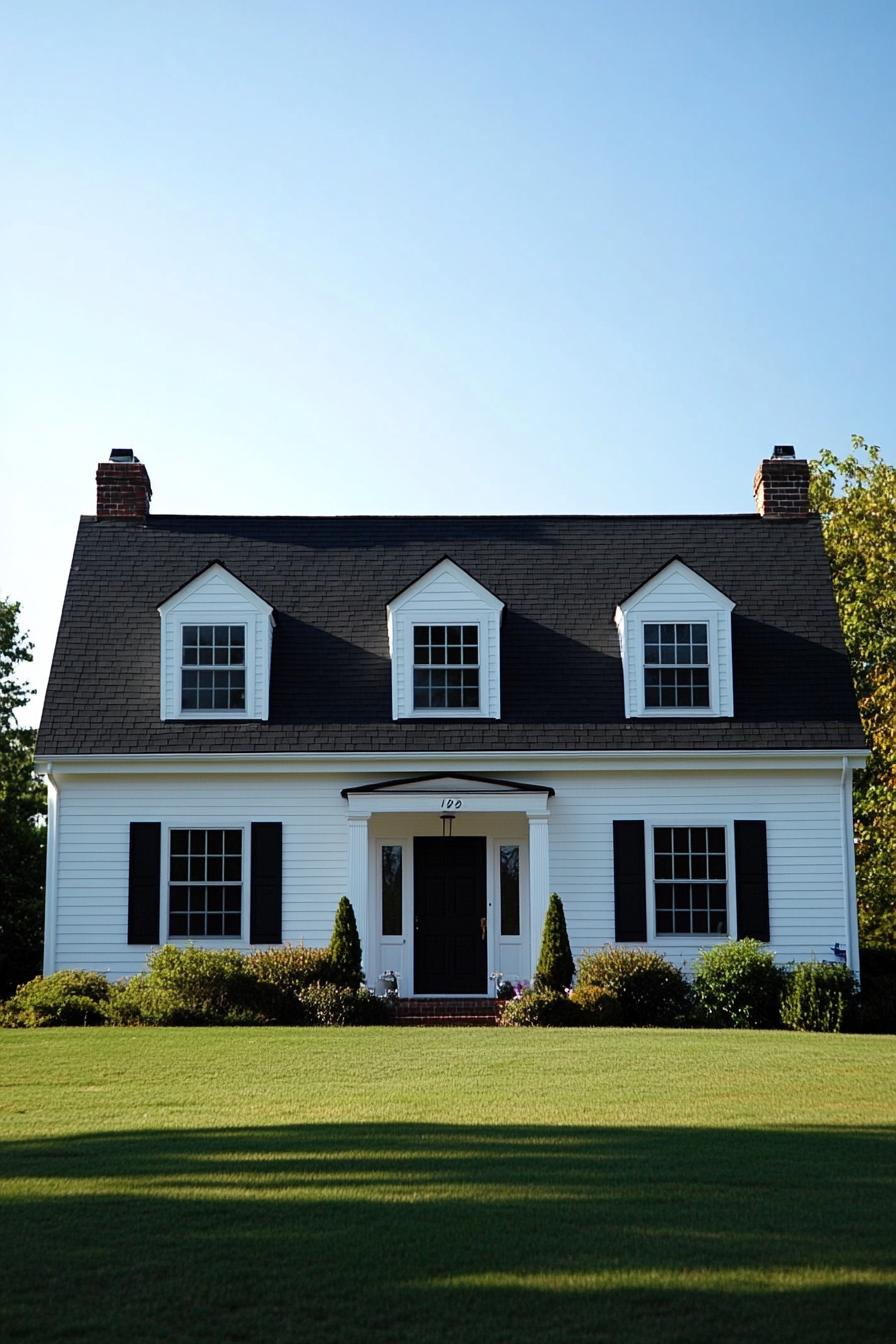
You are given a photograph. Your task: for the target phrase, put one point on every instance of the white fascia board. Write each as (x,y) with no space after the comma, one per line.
(446,566)
(217,570)
(403,763)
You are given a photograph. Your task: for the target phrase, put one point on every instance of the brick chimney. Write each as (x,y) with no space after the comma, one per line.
(123,490)
(781,485)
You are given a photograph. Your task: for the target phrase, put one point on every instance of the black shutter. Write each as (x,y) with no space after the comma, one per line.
(266,896)
(144,881)
(629,882)
(751,874)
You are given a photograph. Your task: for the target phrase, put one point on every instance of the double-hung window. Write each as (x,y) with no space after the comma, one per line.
(676,666)
(446,667)
(205,886)
(690,879)
(213,667)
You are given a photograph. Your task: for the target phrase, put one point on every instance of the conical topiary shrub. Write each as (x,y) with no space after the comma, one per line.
(345,946)
(555,967)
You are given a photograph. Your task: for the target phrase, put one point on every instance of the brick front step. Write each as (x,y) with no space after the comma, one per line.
(454,1021)
(445,1012)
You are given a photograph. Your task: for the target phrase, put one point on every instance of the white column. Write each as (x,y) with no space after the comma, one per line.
(539,881)
(358,879)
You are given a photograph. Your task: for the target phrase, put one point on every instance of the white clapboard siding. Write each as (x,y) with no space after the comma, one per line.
(801,811)
(95,817)
(805,856)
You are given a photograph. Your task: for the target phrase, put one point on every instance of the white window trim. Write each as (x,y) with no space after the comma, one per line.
(710,711)
(461,712)
(730,889)
(637,611)
(249,675)
(218,941)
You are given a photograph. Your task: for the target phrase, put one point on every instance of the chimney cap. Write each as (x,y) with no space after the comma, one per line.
(784,450)
(123,455)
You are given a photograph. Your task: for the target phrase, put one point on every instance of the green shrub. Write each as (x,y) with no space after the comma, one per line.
(282,973)
(649,990)
(133,1003)
(878,1001)
(737,984)
(345,946)
(555,967)
(191,986)
(598,1007)
(539,1008)
(328,1005)
(64,999)
(818,996)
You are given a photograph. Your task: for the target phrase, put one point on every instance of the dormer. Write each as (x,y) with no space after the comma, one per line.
(675,639)
(445,645)
(215,649)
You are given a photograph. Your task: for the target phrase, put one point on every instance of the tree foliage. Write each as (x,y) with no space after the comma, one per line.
(856,498)
(556,968)
(22,808)
(345,946)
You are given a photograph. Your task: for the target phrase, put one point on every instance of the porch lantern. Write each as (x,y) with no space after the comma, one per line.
(447,823)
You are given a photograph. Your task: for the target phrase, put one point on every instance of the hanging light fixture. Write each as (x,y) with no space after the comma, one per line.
(447,823)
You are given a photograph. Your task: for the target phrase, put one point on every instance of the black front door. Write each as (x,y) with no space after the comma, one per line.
(450,949)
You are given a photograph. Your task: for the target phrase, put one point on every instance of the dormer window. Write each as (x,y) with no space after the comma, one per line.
(446,666)
(445,642)
(676,666)
(216,639)
(675,641)
(213,670)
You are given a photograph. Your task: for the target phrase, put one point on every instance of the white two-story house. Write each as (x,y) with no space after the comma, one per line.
(446,719)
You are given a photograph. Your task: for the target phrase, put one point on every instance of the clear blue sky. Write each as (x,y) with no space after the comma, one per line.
(366,256)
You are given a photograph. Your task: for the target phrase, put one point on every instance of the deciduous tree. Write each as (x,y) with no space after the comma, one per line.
(856,498)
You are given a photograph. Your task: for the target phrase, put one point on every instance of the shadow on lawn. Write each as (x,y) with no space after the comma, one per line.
(443,1233)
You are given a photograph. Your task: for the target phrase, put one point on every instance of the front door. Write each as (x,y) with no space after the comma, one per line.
(450,948)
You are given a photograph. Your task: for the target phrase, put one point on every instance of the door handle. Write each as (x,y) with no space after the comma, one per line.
(483,924)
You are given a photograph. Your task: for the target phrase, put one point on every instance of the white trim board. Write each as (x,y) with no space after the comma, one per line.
(365,762)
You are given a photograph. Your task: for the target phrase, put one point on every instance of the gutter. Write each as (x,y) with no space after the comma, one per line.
(52,879)
(850,904)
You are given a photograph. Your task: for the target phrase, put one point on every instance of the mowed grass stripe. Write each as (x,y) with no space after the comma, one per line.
(446,1185)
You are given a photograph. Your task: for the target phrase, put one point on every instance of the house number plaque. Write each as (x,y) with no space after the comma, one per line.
(452,804)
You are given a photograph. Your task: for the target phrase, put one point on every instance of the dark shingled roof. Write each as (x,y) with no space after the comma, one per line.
(561,676)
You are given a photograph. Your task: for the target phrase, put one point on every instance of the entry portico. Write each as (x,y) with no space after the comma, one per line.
(443,916)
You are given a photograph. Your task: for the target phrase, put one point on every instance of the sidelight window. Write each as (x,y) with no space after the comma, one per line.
(510,890)
(392,890)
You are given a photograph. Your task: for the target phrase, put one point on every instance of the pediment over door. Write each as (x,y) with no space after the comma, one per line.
(447,792)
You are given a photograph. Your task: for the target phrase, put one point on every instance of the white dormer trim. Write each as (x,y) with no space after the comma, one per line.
(676,594)
(445,595)
(216,597)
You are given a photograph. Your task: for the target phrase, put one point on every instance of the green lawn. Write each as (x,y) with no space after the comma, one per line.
(444,1186)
